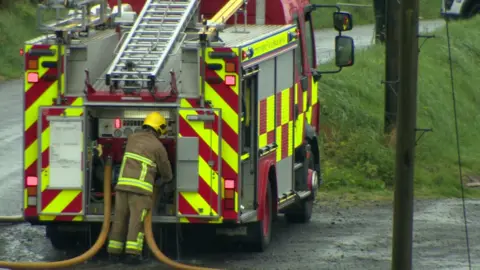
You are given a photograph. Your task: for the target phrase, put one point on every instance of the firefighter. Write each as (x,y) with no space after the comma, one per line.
(145,158)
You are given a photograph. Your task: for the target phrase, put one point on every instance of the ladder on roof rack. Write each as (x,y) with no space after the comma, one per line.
(151,39)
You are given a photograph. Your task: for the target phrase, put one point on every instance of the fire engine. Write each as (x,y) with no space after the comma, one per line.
(237,81)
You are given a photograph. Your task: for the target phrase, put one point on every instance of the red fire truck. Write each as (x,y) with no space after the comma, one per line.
(236,80)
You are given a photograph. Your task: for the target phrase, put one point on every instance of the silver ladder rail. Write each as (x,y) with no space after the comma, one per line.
(151,39)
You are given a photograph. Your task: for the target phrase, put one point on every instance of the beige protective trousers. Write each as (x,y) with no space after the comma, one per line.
(130,211)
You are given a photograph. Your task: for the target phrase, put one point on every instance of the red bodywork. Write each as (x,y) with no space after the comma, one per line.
(274,11)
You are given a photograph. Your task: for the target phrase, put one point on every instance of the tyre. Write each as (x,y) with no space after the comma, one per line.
(301,212)
(60,240)
(260,233)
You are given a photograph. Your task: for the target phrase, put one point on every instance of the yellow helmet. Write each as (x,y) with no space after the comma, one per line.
(156,121)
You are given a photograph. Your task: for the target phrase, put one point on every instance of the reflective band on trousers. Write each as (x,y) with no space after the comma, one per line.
(115,244)
(136,245)
(140,182)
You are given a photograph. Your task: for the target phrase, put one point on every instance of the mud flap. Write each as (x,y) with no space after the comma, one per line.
(198,164)
(60,166)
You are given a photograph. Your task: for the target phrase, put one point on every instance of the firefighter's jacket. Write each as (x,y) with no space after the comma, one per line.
(145,158)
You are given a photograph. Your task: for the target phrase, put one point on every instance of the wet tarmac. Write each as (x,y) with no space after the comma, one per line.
(336,238)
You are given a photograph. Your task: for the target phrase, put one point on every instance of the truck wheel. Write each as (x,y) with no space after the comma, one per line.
(60,240)
(302,214)
(260,232)
(302,211)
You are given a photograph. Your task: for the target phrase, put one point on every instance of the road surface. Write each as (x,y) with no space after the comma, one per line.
(336,238)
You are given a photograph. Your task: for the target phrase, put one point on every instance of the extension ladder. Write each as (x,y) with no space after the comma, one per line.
(151,39)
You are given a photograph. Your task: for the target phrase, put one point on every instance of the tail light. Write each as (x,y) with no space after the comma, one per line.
(230,80)
(32,77)
(229,194)
(32,183)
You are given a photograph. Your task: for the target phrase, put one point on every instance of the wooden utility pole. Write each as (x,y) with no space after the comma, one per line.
(406,129)
(379,11)
(392,67)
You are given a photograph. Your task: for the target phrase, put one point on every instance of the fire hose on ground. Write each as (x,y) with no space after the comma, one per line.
(101,238)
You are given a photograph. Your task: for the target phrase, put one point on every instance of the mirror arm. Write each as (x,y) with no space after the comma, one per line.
(329,71)
(312,7)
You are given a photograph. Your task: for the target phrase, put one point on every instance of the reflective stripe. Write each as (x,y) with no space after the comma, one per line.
(144,172)
(123,165)
(144,214)
(124,181)
(139,158)
(133,246)
(140,182)
(140,238)
(115,244)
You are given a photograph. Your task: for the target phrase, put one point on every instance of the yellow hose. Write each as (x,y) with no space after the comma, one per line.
(89,253)
(158,253)
(103,237)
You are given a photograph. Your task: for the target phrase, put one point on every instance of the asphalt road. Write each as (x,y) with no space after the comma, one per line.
(336,238)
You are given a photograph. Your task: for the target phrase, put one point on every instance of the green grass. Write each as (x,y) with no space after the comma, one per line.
(18,23)
(429,9)
(358,157)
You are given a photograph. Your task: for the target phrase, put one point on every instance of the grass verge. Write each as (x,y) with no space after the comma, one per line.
(429,9)
(358,158)
(18,23)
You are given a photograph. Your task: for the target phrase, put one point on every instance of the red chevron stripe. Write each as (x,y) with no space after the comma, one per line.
(285,141)
(48,196)
(223,90)
(230,137)
(186,130)
(75,206)
(186,209)
(263,117)
(39,88)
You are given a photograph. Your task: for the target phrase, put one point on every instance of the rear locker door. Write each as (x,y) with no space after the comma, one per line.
(60,166)
(198,171)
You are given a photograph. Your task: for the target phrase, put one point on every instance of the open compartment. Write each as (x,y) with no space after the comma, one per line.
(107,130)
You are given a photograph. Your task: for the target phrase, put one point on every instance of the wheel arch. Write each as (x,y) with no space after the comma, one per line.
(267,176)
(312,139)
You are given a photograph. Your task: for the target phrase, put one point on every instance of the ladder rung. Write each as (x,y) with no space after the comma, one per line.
(178,12)
(137,66)
(164,25)
(143,52)
(162,19)
(125,73)
(139,45)
(158,27)
(153,59)
(156,37)
(145,38)
(153,31)
(169,5)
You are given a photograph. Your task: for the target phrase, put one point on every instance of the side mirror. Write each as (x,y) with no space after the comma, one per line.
(344,51)
(342,21)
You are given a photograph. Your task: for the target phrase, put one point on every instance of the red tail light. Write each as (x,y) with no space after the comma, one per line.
(32,181)
(229,194)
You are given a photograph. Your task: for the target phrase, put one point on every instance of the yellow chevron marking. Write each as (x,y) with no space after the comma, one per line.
(228,154)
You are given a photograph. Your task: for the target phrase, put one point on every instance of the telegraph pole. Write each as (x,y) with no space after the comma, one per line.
(379,11)
(392,66)
(406,129)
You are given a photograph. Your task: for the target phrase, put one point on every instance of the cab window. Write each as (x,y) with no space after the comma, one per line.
(298,53)
(310,40)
